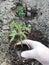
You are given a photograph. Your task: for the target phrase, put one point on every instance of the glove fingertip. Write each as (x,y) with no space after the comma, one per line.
(23,54)
(26,54)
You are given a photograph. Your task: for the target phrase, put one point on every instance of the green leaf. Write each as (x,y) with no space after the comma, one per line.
(21,14)
(12,38)
(12,25)
(12,35)
(20,9)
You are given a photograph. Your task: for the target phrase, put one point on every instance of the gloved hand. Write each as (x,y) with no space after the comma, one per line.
(38,52)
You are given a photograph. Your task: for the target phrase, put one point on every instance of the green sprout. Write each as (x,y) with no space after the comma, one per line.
(20,11)
(20,30)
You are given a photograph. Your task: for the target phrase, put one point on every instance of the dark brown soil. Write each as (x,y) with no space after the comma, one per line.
(38,36)
(15,53)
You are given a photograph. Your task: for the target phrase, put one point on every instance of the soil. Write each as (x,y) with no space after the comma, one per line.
(15,53)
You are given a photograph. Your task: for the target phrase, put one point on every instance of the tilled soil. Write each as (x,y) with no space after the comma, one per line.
(15,53)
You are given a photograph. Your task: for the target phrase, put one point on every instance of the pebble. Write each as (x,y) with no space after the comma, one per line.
(29,14)
(29,9)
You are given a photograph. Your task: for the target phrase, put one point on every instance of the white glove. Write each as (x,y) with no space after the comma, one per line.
(39,52)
